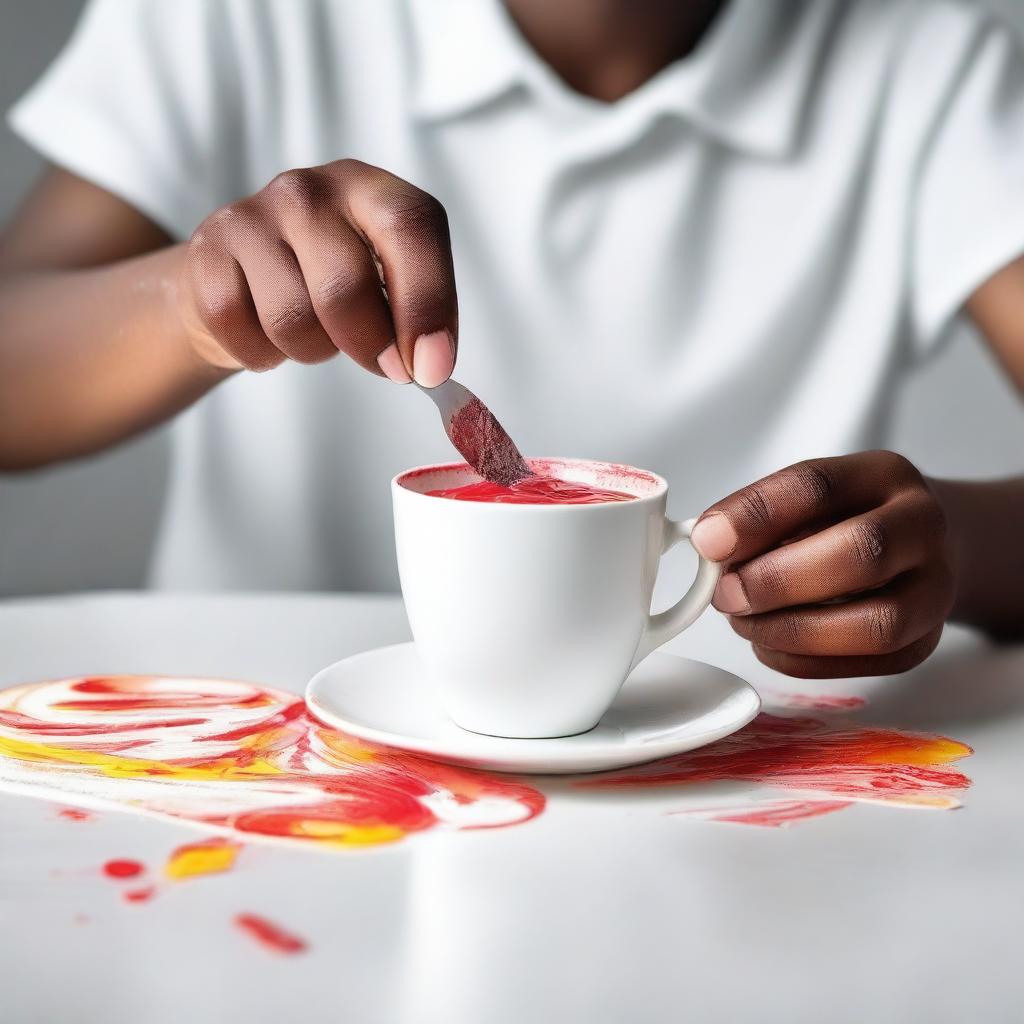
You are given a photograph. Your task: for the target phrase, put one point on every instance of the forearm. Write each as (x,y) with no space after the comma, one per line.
(986,534)
(90,357)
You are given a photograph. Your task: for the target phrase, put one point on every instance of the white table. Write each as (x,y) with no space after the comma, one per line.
(604,908)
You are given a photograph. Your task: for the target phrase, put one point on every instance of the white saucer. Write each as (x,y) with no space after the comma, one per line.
(666,706)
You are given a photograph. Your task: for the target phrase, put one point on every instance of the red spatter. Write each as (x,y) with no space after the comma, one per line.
(74,814)
(772,813)
(270,935)
(534,490)
(143,895)
(122,868)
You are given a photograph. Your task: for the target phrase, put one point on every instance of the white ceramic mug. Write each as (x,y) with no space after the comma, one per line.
(528,618)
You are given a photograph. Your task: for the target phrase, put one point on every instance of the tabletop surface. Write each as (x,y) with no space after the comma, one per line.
(634,902)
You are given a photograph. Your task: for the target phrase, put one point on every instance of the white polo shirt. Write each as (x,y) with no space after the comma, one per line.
(724,272)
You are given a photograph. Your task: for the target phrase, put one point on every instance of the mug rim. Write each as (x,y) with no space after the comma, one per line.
(659,482)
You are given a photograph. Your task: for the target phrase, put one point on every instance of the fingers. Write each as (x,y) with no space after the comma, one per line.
(224,307)
(340,279)
(858,554)
(408,232)
(282,300)
(795,501)
(345,258)
(882,622)
(850,666)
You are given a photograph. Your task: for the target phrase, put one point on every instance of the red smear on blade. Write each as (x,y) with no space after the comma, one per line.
(482,441)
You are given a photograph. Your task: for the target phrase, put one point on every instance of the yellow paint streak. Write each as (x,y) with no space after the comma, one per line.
(343,834)
(346,749)
(200,859)
(117,767)
(921,752)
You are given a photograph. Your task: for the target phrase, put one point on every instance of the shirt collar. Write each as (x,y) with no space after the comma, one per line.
(746,85)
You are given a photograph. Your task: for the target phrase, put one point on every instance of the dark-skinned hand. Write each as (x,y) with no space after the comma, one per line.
(834,567)
(340,258)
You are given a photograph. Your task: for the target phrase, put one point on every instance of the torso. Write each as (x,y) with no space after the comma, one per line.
(631,289)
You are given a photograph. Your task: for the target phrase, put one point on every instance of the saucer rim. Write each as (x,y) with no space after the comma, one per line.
(480,747)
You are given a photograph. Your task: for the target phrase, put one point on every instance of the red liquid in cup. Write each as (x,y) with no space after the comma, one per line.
(534,490)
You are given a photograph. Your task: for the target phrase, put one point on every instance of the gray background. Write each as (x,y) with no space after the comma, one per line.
(91,524)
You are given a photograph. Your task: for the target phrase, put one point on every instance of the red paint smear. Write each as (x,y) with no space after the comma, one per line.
(306,782)
(772,813)
(288,714)
(124,704)
(127,695)
(534,490)
(123,868)
(139,895)
(16,720)
(74,814)
(842,762)
(270,935)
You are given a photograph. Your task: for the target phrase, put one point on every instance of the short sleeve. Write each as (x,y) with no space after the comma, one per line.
(139,102)
(968,218)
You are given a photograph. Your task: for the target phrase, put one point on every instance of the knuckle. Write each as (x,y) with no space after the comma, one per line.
(755,506)
(297,189)
(290,319)
(346,167)
(202,243)
(815,480)
(887,624)
(869,540)
(767,577)
(420,213)
(898,467)
(227,222)
(219,308)
(342,287)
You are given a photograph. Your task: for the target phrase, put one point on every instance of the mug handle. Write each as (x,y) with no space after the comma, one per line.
(661,628)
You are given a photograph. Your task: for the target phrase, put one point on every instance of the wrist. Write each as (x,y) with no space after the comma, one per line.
(983,533)
(180,322)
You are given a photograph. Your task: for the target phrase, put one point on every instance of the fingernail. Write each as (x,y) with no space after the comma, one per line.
(391,365)
(714,537)
(730,597)
(433,359)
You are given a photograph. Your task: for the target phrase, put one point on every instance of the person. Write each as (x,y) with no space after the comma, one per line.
(704,238)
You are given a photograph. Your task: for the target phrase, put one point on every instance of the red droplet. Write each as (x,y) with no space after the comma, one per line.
(139,895)
(269,934)
(74,814)
(123,868)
